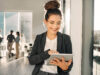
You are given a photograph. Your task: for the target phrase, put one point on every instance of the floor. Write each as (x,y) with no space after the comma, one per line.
(20,66)
(12,66)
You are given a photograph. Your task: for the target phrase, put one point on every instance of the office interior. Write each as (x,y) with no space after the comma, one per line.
(80,21)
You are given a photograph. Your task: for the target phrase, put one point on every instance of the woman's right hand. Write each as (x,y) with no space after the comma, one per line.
(50,52)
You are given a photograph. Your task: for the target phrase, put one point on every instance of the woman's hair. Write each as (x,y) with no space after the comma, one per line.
(52,7)
(18,33)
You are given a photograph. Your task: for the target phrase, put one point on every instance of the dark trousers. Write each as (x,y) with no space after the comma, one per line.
(45,73)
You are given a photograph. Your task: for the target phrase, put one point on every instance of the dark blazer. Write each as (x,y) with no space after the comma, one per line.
(38,55)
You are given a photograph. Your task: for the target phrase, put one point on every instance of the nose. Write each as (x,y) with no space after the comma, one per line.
(55,24)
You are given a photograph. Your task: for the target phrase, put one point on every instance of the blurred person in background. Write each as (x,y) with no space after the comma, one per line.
(17,39)
(11,39)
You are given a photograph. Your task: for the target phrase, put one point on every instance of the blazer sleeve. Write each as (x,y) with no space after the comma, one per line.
(34,57)
(68,47)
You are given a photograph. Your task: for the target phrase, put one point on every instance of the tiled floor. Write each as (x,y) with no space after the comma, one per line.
(20,66)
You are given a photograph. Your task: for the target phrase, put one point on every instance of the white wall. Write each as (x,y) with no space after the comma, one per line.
(76,35)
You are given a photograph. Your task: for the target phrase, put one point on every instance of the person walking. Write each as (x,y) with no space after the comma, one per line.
(11,39)
(17,39)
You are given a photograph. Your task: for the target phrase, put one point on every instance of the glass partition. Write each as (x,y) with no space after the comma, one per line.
(2,24)
(18,22)
(96,51)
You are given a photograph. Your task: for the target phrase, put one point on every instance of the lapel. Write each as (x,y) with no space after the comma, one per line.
(43,41)
(59,41)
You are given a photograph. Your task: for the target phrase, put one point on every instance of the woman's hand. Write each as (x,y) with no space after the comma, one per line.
(50,52)
(61,63)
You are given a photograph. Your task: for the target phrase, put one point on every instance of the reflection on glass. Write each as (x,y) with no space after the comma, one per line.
(2,24)
(67,17)
(96,51)
(16,21)
(11,21)
(26,25)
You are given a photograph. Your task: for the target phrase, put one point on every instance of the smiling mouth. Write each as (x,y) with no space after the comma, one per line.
(54,29)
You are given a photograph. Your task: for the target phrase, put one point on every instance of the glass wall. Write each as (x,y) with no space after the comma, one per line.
(2,24)
(11,22)
(26,25)
(96,51)
(16,21)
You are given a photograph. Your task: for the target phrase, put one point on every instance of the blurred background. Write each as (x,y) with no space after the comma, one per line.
(80,21)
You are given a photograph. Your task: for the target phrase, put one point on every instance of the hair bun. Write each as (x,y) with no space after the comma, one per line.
(52,5)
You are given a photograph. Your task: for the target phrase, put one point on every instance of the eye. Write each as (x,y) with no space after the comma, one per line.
(58,23)
(51,22)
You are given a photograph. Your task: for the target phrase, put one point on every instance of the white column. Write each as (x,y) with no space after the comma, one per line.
(76,35)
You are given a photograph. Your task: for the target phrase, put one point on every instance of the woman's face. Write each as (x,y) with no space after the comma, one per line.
(53,23)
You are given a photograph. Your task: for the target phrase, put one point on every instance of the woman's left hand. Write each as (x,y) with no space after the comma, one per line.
(61,63)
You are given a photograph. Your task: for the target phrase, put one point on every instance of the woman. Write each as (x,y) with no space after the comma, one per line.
(17,39)
(49,43)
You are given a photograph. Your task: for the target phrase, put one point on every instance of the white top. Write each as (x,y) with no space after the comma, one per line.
(52,45)
(17,39)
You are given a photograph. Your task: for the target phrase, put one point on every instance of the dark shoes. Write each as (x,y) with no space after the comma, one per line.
(0,57)
(11,55)
(12,49)
(16,58)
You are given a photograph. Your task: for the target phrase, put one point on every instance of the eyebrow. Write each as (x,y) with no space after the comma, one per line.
(53,21)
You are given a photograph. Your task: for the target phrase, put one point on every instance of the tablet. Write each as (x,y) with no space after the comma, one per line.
(59,56)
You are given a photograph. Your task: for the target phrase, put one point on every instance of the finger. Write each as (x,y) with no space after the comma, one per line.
(52,52)
(53,63)
(69,62)
(51,60)
(56,59)
(55,51)
(63,59)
